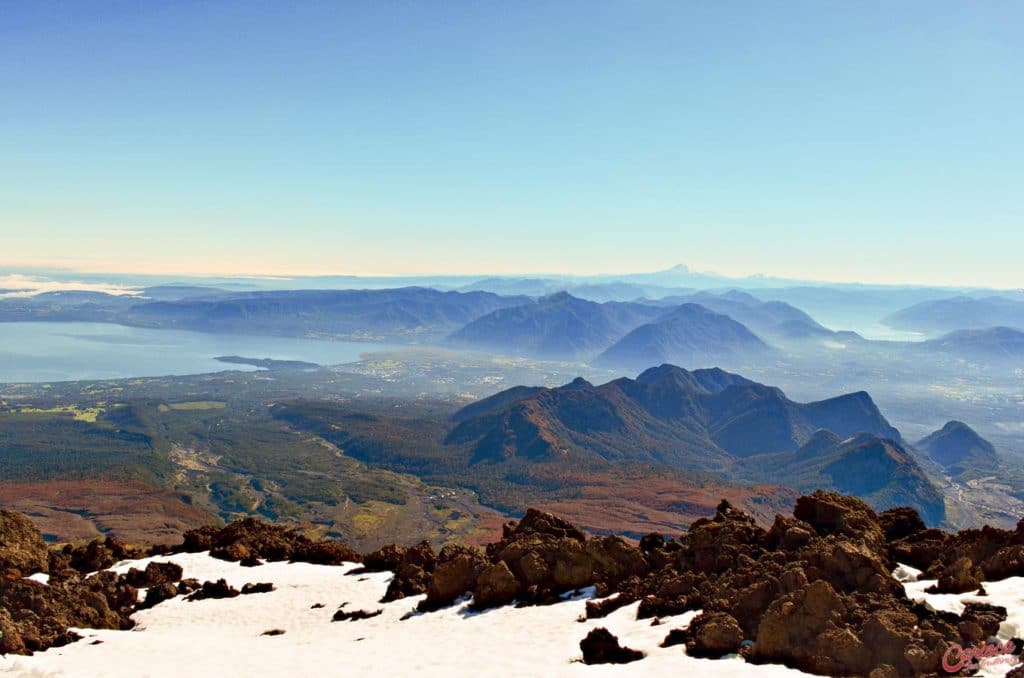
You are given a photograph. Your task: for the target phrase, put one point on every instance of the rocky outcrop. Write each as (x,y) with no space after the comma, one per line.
(100,554)
(249,540)
(38,616)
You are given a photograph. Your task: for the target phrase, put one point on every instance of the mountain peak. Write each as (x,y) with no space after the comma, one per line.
(958,448)
(558,298)
(579,382)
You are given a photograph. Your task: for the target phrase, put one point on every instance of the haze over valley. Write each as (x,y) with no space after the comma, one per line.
(437,348)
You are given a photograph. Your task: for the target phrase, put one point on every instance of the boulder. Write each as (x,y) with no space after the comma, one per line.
(325,552)
(155,574)
(713,635)
(385,559)
(213,589)
(959,577)
(158,594)
(601,647)
(539,522)
(495,586)
(455,574)
(413,573)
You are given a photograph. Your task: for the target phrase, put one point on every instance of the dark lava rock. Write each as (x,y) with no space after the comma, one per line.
(845,516)
(10,636)
(101,554)
(539,522)
(324,552)
(22,549)
(601,647)
(713,635)
(40,616)
(788,534)
(959,577)
(413,573)
(676,637)
(385,559)
(355,615)
(155,574)
(900,523)
(495,586)
(211,589)
(598,609)
(456,573)
(262,587)
(250,540)
(158,594)
(186,586)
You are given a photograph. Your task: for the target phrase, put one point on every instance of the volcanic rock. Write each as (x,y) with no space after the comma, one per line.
(713,634)
(155,574)
(495,586)
(211,589)
(601,647)
(22,549)
(455,574)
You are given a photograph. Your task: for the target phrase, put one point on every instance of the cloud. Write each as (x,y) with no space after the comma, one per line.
(27,286)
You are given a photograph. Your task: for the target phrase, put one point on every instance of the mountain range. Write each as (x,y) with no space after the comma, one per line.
(614,334)
(882,471)
(559,326)
(706,420)
(409,314)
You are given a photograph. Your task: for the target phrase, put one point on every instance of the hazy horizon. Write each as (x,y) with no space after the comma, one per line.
(39,278)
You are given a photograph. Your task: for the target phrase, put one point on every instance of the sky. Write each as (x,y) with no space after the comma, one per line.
(864,141)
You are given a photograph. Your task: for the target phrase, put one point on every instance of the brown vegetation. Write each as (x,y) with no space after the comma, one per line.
(132,511)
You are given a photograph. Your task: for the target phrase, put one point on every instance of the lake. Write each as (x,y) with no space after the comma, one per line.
(59,351)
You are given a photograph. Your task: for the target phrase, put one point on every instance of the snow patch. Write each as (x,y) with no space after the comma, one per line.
(1008,593)
(225,637)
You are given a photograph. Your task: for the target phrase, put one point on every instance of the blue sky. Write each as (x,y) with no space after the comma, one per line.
(872,141)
